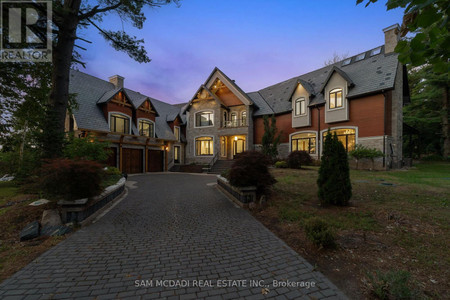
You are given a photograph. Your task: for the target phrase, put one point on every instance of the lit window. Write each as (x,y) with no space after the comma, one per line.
(360,56)
(146,128)
(300,106)
(347,136)
(346,62)
(375,51)
(204,146)
(176,131)
(304,142)
(335,98)
(176,154)
(234,119)
(119,123)
(204,119)
(244,118)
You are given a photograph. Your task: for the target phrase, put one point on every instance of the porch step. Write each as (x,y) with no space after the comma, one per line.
(220,166)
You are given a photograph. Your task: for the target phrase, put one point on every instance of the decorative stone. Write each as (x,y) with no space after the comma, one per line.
(39,202)
(30,231)
(50,217)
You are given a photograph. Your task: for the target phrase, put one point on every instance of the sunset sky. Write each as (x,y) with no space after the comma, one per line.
(255,42)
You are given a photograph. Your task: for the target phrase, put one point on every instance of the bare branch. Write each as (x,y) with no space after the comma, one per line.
(97,10)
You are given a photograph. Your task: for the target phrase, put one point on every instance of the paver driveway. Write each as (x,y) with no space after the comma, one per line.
(170,227)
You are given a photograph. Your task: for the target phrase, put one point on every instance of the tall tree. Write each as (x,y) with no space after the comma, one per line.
(68,17)
(427,22)
(271,138)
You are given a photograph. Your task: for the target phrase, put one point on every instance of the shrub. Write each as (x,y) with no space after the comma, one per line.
(334,174)
(71,179)
(88,148)
(20,166)
(391,285)
(320,233)
(112,171)
(281,164)
(226,174)
(250,169)
(361,152)
(297,159)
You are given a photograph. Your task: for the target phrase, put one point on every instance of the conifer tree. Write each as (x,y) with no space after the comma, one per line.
(334,173)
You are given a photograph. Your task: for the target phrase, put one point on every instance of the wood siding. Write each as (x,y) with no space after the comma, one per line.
(132,160)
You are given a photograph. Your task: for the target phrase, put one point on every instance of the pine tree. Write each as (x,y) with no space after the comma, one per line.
(334,173)
(270,139)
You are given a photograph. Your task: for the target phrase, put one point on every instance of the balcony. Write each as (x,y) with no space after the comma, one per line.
(234,123)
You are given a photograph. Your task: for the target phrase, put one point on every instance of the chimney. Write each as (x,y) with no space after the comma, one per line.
(391,38)
(117,81)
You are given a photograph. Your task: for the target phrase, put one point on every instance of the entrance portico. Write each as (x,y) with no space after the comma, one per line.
(230,145)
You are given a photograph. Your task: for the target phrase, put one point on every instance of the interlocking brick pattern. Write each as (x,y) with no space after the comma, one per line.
(171,227)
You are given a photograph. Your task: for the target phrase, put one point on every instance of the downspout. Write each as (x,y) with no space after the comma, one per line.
(318,132)
(384,130)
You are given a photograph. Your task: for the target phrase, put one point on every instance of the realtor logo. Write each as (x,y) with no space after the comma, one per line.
(26,31)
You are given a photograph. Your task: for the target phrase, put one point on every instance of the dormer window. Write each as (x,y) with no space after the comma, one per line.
(300,106)
(204,119)
(335,99)
(146,128)
(119,123)
(176,132)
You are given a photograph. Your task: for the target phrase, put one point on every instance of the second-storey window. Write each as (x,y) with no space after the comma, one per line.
(300,106)
(335,98)
(204,118)
(119,123)
(146,128)
(244,118)
(176,131)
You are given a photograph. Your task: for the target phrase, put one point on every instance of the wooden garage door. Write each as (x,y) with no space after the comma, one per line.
(131,160)
(155,161)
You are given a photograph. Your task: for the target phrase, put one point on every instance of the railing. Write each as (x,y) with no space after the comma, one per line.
(234,123)
(213,161)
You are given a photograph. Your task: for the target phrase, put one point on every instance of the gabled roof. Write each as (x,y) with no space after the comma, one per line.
(344,75)
(230,84)
(88,115)
(370,75)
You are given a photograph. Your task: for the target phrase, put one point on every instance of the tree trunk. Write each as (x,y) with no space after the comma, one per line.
(445,123)
(59,95)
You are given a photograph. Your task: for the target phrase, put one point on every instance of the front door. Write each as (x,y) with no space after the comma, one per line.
(238,146)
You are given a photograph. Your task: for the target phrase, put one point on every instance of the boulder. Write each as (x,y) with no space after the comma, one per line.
(55,230)
(50,217)
(30,231)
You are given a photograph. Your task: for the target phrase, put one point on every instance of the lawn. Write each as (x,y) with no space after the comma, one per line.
(397,221)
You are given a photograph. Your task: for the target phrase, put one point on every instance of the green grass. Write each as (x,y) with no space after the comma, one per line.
(8,190)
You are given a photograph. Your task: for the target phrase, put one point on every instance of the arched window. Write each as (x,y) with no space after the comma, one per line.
(234,119)
(244,118)
(204,146)
(304,142)
(119,123)
(300,106)
(335,99)
(204,118)
(347,136)
(146,128)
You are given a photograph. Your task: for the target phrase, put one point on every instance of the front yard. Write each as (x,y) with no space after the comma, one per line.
(397,221)
(15,214)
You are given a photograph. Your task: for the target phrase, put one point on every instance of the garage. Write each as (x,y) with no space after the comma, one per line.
(155,161)
(112,157)
(132,160)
